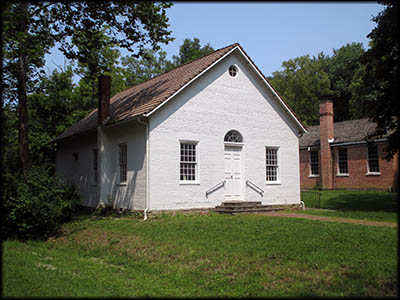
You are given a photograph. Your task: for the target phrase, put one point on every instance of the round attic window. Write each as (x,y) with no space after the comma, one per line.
(233,71)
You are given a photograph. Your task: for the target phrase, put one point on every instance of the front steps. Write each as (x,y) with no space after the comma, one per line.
(238,206)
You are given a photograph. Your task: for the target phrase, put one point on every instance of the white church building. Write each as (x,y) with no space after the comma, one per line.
(209,131)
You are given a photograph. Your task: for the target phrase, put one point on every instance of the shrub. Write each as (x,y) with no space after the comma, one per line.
(36,203)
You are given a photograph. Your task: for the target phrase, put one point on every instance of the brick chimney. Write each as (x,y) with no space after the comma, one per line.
(104,99)
(326,135)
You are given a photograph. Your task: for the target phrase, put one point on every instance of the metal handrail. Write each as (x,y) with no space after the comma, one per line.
(215,186)
(248,182)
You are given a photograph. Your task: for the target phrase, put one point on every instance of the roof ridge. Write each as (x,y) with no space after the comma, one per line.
(166,72)
(353,120)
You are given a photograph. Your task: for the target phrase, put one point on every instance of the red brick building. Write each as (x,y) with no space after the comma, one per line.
(339,156)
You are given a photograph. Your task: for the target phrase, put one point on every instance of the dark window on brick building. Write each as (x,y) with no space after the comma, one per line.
(373,161)
(342,161)
(314,164)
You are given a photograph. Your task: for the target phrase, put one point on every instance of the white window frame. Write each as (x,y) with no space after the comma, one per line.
(369,172)
(195,162)
(310,163)
(124,163)
(339,173)
(277,166)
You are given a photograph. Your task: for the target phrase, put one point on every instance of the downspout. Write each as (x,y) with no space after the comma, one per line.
(147,168)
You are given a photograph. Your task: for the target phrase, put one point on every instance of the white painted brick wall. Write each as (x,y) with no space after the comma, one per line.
(205,112)
(79,173)
(130,196)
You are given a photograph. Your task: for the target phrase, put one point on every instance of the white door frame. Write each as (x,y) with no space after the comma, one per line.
(241,146)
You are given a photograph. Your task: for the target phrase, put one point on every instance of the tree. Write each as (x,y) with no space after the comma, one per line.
(26,39)
(30,30)
(303,83)
(151,64)
(340,78)
(343,69)
(129,25)
(189,51)
(154,62)
(96,56)
(382,75)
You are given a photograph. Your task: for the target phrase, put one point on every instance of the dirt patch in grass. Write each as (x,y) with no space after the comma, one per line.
(328,219)
(130,245)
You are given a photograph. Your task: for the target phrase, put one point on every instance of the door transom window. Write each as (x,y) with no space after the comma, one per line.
(233,136)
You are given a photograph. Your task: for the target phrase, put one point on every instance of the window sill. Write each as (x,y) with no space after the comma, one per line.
(313,176)
(342,175)
(189,182)
(373,173)
(273,183)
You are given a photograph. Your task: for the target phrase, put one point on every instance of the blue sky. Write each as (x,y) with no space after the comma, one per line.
(269,32)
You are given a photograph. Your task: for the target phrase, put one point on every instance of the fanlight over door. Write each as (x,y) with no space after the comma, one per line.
(233,136)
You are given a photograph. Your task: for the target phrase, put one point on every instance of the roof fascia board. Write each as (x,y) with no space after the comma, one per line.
(188,83)
(358,142)
(346,144)
(121,122)
(273,91)
(72,136)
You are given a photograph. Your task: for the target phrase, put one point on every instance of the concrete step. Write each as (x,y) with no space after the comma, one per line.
(232,207)
(240,203)
(248,210)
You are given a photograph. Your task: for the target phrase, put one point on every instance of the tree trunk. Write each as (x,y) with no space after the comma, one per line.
(22,97)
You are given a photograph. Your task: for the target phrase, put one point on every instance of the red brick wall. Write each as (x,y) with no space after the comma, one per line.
(307,181)
(104,98)
(326,133)
(357,165)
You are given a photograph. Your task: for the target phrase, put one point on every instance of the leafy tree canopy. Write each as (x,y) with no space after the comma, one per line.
(382,74)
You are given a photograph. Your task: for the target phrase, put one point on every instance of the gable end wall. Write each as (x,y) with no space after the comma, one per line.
(204,112)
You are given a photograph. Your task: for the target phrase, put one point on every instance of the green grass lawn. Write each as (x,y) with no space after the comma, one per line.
(367,205)
(204,256)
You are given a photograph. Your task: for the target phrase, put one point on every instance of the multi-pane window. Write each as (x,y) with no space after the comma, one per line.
(95,168)
(188,162)
(373,161)
(122,162)
(314,163)
(271,164)
(342,161)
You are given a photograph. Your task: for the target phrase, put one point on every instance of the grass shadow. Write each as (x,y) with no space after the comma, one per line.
(362,202)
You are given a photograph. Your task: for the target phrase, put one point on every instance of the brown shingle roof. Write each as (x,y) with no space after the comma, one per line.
(344,132)
(146,96)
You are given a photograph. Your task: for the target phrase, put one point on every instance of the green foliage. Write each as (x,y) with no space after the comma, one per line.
(96,56)
(303,83)
(189,51)
(344,70)
(35,204)
(130,25)
(382,75)
(306,81)
(150,65)
(153,63)
(26,37)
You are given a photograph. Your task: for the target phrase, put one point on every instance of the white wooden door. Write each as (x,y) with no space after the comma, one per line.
(233,173)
